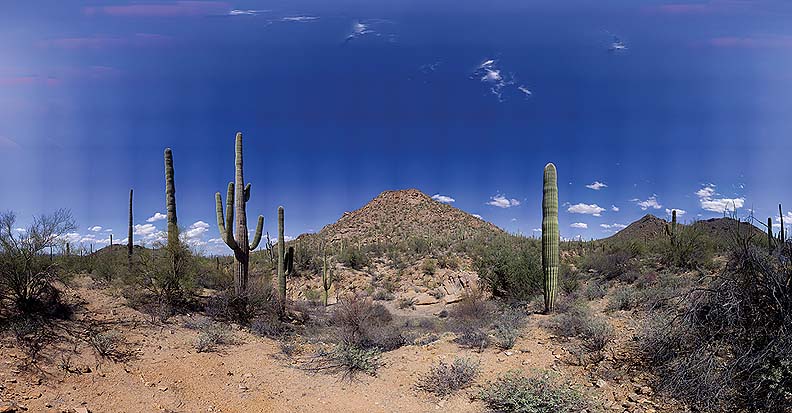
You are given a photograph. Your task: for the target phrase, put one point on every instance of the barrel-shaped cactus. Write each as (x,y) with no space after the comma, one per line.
(236,202)
(550,236)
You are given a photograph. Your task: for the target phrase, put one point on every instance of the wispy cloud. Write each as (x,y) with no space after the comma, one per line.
(27,81)
(614,208)
(8,143)
(580,225)
(709,200)
(477,216)
(597,185)
(174,9)
(237,12)
(613,226)
(587,209)
(108,42)
(501,201)
(158,216)
(650,202)
(379,28)
(96,228)
(499,82)
(443,198)
(299,19)
(193,236)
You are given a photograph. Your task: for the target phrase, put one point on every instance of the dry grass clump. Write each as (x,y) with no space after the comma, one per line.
(443,378)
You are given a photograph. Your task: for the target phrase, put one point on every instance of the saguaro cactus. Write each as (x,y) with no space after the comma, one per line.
(769,235)
(129,227)
(781,235)
(285,259)
(239,242)
(327,279)
(550,236)
(671,230)
(170,199)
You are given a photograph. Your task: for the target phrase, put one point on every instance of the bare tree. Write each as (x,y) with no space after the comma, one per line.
(26,272)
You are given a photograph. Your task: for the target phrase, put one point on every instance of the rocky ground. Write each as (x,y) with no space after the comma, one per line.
(158,369)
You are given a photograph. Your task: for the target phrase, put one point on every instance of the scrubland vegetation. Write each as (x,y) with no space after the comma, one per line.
(713,313)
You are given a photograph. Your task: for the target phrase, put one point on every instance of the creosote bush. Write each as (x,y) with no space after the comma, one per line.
(443,378)
(515,392)
(212,335)
(507,327)
(359,322)
(510,267)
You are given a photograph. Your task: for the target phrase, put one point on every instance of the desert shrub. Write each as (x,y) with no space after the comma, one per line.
(354,258)
(258,301)
(212,335)
(344,359)
(426,339)
(624,298)
(105,344)
(515,392)
(167,273)
(406,303)
(691,248)
(312,295)
(27,272)
(573,321)
(507,327)
(629,276)
(569,280)
(595,289)
(472,337)
(445,378)
(110,265)
(448,261)
(381,294)
(510,267)
(472,309)
(610,264)
(730,345)
(429,266)
(596,334)
(32,334)
(438,293)
(360,322)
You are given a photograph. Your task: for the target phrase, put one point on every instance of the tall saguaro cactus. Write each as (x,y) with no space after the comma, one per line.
(285,260)
(550,236)
(327,279)
(170,199)
(236,204)
(671,230)
(129,227)
(781,235)
(769,235)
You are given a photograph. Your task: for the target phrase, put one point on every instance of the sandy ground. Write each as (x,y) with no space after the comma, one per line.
(166,374)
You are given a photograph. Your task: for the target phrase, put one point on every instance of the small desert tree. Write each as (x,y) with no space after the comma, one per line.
(26,270)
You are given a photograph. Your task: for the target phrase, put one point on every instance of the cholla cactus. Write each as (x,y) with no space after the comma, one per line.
(550,236)
(236,201)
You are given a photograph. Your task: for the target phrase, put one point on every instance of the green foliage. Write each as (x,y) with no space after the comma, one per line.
(515,392)
(429,266)
(507,327)
(212,335)
(353,258)
(689,249)
(510,266)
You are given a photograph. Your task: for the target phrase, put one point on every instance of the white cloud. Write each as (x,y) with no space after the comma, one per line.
(148,233)
(20,230)
(614,208)
(708,201)
(597,185)
(380,28)
(648,203)
(71,237)
(443,198)
(193,236)
(678,211)
(592,209)
(237,12)
(613,226)
(490,73)
(109,230)
(300,19)
(157,217)
(96,228)
(581,225)
(501,201)
(477,216)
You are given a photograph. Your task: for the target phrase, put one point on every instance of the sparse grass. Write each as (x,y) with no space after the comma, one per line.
(106,344)
(515,392)
(472,337)
(595,289)
(625,298)
(212,335)
(446,378)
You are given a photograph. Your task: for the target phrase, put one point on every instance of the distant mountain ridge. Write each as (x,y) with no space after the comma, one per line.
(650,228)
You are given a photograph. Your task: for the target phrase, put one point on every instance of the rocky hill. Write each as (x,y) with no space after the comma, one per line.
(650,228)
(397,215)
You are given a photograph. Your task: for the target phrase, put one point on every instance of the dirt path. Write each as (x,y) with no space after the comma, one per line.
(167,374)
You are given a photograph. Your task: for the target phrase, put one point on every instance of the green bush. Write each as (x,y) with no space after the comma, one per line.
(429,266)
(354,258)
(515,392)
(510,267)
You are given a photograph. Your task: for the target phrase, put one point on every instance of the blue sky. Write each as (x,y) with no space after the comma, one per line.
(341,100)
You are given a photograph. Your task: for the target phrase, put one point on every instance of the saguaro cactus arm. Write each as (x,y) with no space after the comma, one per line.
(226,227)
(257,236)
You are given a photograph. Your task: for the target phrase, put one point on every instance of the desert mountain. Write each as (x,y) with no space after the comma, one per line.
(650,228)
(397,215)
